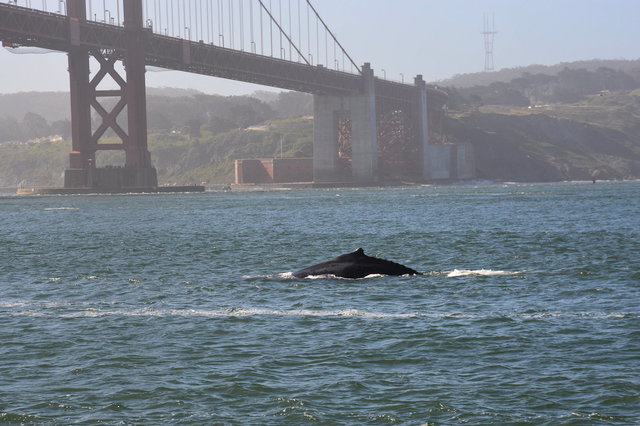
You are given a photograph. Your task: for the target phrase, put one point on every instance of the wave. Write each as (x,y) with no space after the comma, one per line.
(281,275)
(236,313)
(290,276)
(481,272)
(456,273)
(67,310)
(62,208)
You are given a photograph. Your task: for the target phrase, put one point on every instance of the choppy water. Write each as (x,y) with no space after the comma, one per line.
(182,309)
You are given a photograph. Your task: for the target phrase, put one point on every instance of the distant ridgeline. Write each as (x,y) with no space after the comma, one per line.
(505,75)
(568,85)
(571,121)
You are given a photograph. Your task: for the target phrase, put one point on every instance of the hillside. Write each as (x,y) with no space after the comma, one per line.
(510,145)
(507,74)
(539,147)
(180,158)
(33,115)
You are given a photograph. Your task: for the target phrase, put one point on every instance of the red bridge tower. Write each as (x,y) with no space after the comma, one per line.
(82,172)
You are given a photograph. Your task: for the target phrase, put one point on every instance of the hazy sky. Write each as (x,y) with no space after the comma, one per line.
(436,38)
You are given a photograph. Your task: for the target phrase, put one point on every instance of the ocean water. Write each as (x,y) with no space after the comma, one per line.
(181,308)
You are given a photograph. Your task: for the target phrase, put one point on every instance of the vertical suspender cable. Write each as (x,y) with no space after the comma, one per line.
(201,25)
(290,32)
(326,49)
(231,27)
(309,36)
(179,22)
(222,21)
(299,30)
(271,27)
(241,25)
(179,18)
(253,41)
(191,24)
(280,22)
(261,35)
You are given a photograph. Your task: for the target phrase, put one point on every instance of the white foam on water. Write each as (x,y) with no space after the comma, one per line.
(290,276)
(356,313)
(17,304)
(335,277)
(317,313)
(481,273)
(456,273)
(282,275)
(63,309)
(232,313)
(62,208)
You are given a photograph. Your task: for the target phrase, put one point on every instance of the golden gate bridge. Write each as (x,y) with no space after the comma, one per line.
(278,43)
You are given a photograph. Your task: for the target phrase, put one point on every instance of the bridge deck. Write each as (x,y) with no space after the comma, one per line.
(30,27)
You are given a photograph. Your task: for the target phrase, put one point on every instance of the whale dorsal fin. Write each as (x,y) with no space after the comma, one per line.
(359,251)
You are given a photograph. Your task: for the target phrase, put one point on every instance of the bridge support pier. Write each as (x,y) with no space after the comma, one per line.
(360,111)
(423,127)
(137,171)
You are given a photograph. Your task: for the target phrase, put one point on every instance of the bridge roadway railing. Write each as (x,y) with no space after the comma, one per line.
(201,58)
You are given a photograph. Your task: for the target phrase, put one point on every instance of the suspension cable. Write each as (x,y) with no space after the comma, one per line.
(333,36)
(280,28)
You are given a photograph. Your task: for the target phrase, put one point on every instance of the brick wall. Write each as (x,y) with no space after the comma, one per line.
(274,170)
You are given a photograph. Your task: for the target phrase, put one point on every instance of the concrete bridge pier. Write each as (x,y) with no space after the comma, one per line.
(423,126)
(360,109)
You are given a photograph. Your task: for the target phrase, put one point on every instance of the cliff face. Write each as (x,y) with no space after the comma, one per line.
(539,148)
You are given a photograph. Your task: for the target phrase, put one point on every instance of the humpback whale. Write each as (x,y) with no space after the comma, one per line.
(355,265)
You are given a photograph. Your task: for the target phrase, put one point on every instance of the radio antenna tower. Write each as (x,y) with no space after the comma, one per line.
(488,33)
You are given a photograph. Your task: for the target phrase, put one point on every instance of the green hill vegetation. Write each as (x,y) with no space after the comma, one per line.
(192,138)
(179,158)
(183,159)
